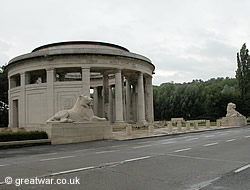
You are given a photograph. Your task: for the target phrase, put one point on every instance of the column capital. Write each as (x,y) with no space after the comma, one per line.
(50,69)
(85,68)
(105,73)
(139,73)
(149,77)
(118,71)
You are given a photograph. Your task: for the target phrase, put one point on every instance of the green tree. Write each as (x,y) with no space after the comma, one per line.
(243,78)
(195,100)
(3,97)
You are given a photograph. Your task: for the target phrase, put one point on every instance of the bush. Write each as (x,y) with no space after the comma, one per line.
(20,136)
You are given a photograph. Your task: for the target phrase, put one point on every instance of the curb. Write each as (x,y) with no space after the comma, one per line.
(182,133)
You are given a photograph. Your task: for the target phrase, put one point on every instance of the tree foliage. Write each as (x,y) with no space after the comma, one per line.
(3,97)
(195,100)
(243,77)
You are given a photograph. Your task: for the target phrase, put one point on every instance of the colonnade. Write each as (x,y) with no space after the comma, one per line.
(129,100)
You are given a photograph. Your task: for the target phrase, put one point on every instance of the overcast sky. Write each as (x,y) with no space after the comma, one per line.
(185,39)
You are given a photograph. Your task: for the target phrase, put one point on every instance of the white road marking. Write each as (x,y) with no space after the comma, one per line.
(43,154)
(118,146)
(230,140)
(181,150)
(246,136)
(135,159)
(71,171)
(192,139)
(84,150)
(142,146)
(209,136)
(211,144)
(170,142)
(209,159)
(242,168)
(203,184)
(107,151)
(223,133)
(47,159)
(93,167)
(4,165)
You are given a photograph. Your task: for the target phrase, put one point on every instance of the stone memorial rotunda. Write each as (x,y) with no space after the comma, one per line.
(51,77)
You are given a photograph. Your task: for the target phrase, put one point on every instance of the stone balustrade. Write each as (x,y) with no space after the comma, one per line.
(175,127)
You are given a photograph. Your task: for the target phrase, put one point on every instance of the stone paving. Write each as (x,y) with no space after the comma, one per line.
(161,131)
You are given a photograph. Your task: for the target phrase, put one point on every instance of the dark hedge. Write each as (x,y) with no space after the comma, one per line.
(20,136)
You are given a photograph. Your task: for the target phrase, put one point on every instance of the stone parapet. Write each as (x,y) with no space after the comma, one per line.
(65,133)
(233,121)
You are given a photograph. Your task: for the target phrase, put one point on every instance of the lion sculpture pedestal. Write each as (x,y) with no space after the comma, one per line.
(78,124)
(233,118)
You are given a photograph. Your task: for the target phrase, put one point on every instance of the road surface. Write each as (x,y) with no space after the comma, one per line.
(207,160)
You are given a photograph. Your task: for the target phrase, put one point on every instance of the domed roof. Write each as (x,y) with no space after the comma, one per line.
(80,44)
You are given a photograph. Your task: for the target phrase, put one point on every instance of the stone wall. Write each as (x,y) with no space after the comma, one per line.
(64,133)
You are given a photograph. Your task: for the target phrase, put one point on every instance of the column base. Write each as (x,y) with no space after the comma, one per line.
(142,122)
(119,125)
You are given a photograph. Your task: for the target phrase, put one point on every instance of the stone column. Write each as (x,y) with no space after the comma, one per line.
(118,97)
(218,123)
(141,102)
(207,124)
(95,101)
(110,104)
(196,125)
(50,92)
(187,126)
(22,102)
(128,100)
(170,128)
(129,129)
(149,100)
(123,100)
(151,129)
(106,106)
(100,102)
(179,126)
(134,104)
(86,81)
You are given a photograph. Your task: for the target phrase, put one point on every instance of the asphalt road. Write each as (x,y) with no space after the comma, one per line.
(208,160)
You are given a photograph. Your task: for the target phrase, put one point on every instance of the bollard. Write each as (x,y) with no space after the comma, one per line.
(129,129)
(170,128)
(208,124)
(179,126)
(164,122)
(188,126)
(218,123)
(195,125)
(151,129)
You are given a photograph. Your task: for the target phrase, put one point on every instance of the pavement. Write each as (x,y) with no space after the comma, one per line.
(160,131)
(119,135)
(208,160)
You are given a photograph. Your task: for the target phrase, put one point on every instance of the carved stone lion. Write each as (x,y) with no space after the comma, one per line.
(80,112)
(231,112)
